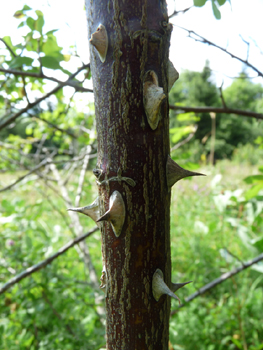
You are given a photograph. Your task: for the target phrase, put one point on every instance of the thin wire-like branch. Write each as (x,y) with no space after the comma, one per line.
(44,162)
(56,127)
(33,104)
(219,280)
(8,48)
(218,110)
(201,39)
(73,84)
(55,312)
(247,43)
(222,96)
(82,175)
(45,262)
(175,13)
(187,139)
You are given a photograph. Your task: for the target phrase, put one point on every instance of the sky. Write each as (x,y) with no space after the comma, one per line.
(242,17)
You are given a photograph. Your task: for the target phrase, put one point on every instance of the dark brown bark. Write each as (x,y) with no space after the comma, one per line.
(139,35)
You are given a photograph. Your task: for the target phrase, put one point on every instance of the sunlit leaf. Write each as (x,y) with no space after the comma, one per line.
(253,191)
(221,2)
(20,61)
(39,22)
(216,12)
(31,23)
(19,14)
(253,179)
(67,57)
(50,62)
(199,3)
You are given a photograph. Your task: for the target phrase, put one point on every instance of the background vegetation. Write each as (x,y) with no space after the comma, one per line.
(48,149)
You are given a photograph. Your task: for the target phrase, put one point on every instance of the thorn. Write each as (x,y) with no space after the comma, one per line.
(173,75)
(153,97)
(176,286)
(175,173)
(91,210)
(99,39)
(159,287)
(116,213)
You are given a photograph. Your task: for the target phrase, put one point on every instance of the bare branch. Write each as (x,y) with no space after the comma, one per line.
(221,96)
(189,137)
(56,127)
(219,280)
(73,84)
(175,13)
(8,47)
(45,262)
(82,175)
(217,110)
(44,162)
(55,312)
(201,39)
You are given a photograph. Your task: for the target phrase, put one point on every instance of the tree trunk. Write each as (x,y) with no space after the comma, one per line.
(133,148)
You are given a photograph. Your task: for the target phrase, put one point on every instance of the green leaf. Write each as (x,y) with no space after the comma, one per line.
(199,3)
(39,22)
(26,8)
(31,23)
(253,179)
(258,243)
(253,191)
(20,61)
(51,48)
(50,62)
(19,14)
(217,13)
(260,168)
(221,2)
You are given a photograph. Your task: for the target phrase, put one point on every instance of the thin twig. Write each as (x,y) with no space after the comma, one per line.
(222,96)
(45,262)
(219,280)
(82,175)
(175,13)
(189,137)
(43,76)
(217,110)
(203,40)
(55,312)
(55,126)
(44,162)
(9,48)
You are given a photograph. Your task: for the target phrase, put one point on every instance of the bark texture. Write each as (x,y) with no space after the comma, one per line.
(139,36)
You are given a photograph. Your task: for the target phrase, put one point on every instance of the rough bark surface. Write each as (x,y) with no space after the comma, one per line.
(139,36)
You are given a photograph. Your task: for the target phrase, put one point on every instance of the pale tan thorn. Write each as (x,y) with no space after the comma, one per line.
(173,75)
(153,97)
(91,210)
(99,39)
